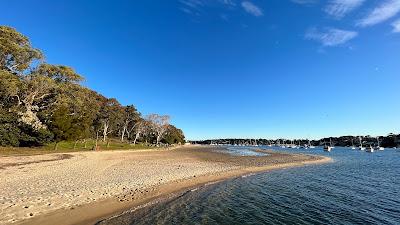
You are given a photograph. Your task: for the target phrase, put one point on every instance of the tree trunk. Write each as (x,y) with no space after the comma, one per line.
(158,139)
(108,144)
(97,139)
(85,141)
(76,142)
(136,137)
(105,130)
(56,146)
(123,134)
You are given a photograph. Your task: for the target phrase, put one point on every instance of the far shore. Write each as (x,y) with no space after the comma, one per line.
(86,187)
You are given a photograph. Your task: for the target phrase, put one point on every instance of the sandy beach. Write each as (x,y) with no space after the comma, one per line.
(85,187)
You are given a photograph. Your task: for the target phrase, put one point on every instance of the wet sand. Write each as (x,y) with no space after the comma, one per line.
(86,187)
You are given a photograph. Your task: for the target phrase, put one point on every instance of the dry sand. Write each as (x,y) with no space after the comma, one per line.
(84,187)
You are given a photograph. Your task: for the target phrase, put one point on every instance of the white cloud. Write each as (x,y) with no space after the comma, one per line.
(340,8)
(252,9)
(198,7)
(192,3)
(396,26)
(330,36)
(381,13)
(305,2)
(228,2)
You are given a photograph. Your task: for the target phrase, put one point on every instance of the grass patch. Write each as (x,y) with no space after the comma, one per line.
(70,146)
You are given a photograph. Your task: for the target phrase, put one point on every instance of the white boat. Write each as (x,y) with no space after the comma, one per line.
(292,145)
(330,142)
(309,145)
(379,145)
(361,146)
(352,144)
(327,148)
(370,149)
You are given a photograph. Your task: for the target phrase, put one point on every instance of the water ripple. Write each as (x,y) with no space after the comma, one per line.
(359,188)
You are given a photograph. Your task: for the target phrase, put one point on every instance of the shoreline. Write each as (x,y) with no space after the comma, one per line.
(225,177)
(226,167)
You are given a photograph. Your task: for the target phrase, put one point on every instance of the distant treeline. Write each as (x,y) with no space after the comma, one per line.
(42,103)
(391,140)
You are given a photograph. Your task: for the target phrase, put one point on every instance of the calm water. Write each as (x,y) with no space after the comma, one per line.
(358,188)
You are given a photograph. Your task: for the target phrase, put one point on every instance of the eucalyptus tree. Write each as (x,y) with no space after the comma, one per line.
(174,135)
(110,116)
(159,124)
(130,115)
(16,52)
(140,127)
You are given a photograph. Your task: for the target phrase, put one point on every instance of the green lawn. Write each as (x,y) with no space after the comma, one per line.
(68,146)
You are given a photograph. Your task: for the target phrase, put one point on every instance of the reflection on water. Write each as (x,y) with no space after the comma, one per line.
(358,188)
(244,151)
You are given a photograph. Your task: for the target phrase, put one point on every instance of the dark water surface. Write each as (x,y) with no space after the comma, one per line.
(358,188)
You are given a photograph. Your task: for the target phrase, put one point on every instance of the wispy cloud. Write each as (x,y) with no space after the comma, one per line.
(191,6)
(381,13)
(228,2)
(251,8)
(340,8)
(192,3)
(330,36)
(305,2)
(396,26)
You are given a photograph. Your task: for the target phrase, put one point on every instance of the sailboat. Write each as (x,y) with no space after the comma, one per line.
(309,144)
(370,149)
(361,146)
(284,144)
(293,144)
(352,144)
(328,148)
(330,142)
(379,145)
(255,143)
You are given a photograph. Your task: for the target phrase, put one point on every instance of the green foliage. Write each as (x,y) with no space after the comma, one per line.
(9,133)
(13,133)
(174,136)
(59,73)
(16,52)
(64,126)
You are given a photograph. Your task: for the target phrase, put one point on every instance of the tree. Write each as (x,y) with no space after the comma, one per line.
(130,115)
(59,73)
(16,52)
(140,128)
(33,94)
(174,136)
(110,116)
(19,122)
(159,125)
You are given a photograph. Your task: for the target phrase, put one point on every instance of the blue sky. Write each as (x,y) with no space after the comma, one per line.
(231,68)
